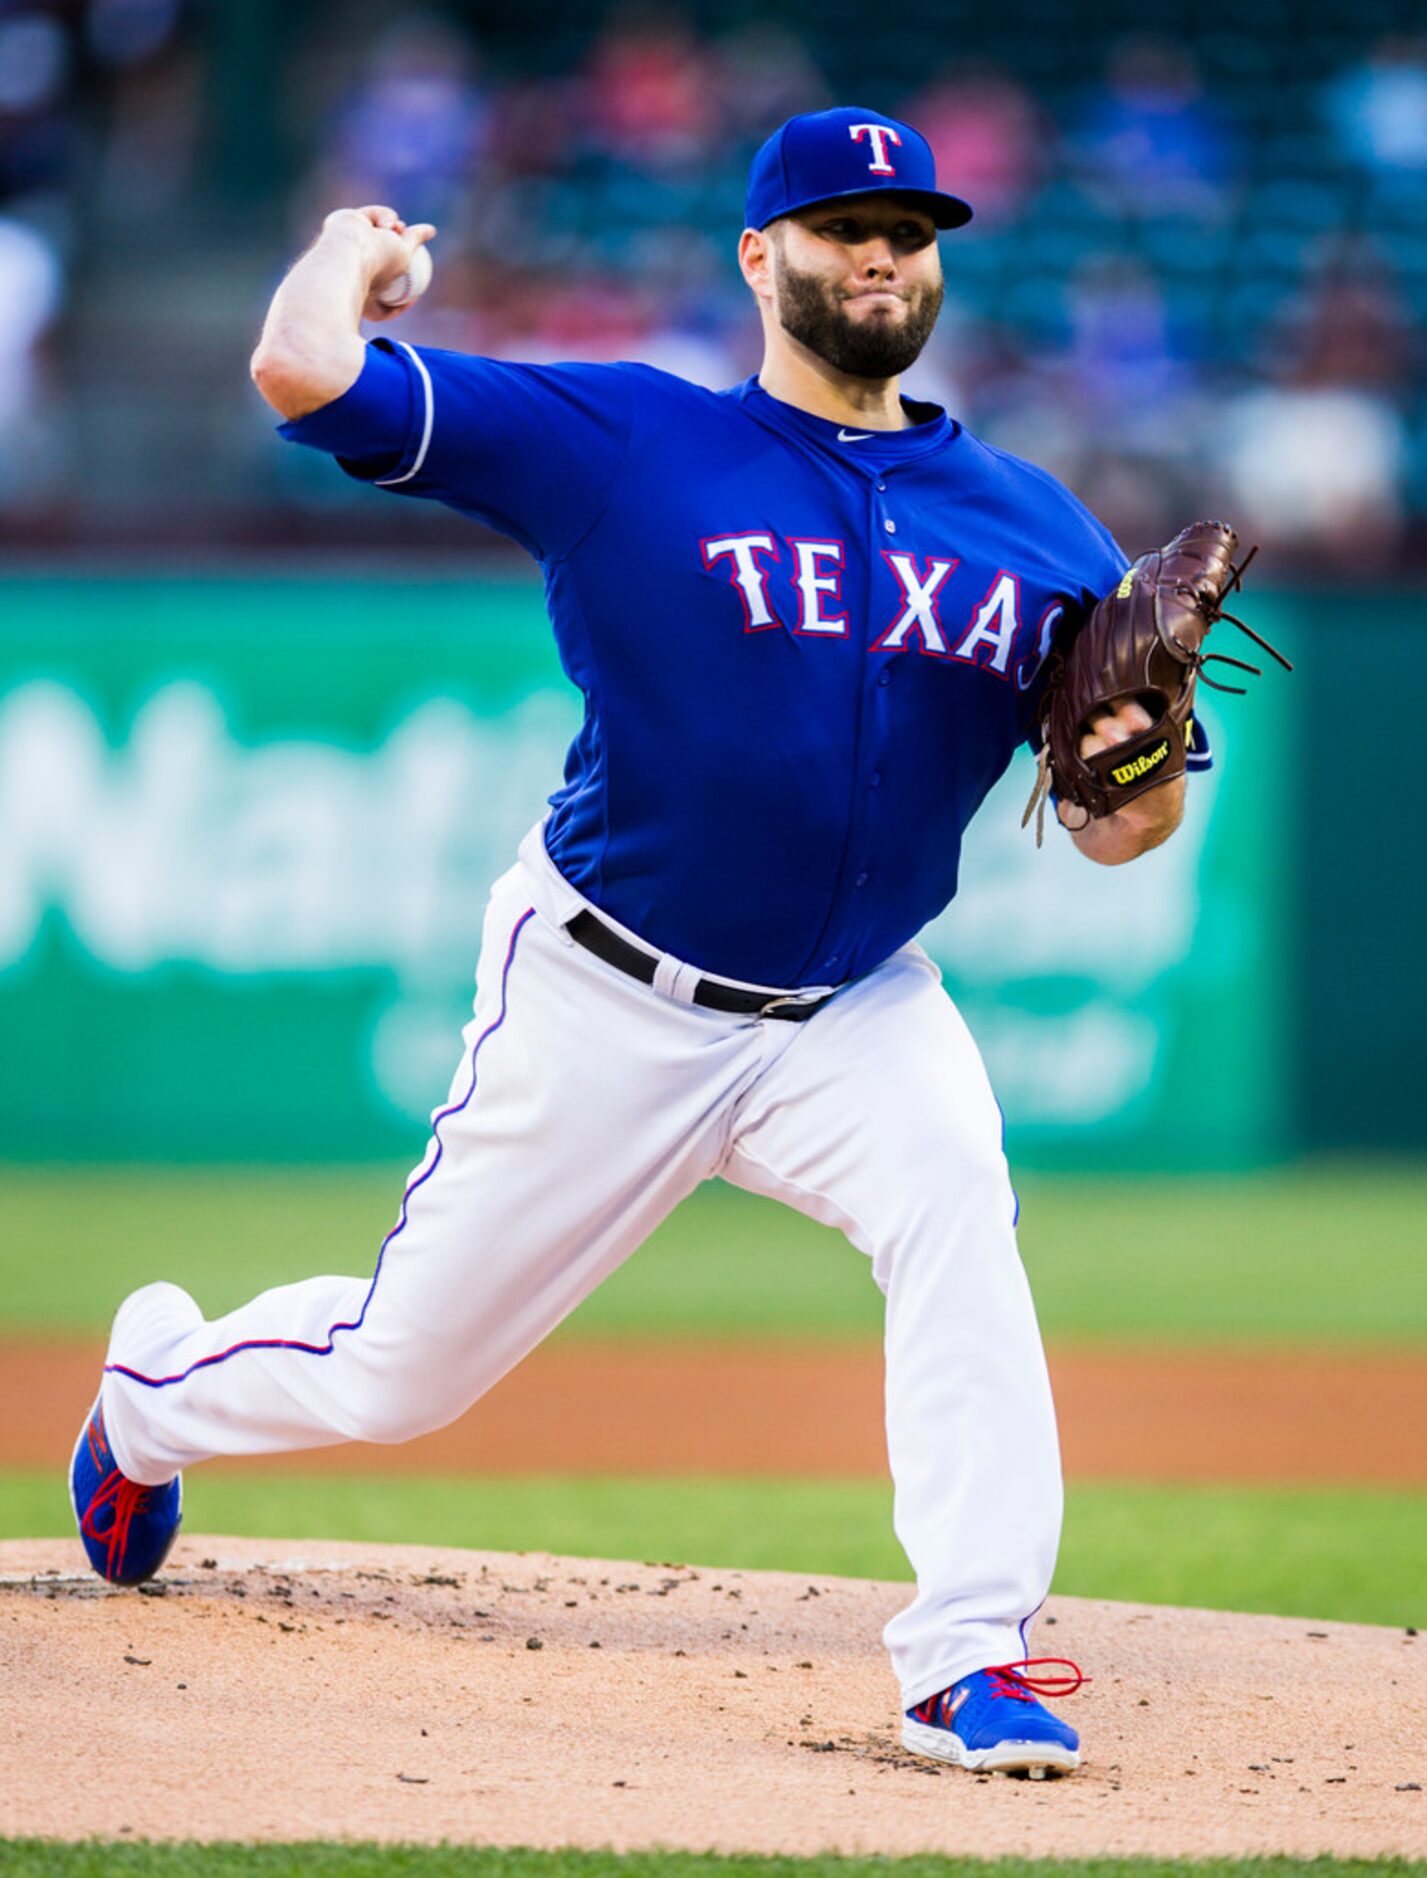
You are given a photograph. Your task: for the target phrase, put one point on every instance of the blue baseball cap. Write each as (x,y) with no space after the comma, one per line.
(845,152)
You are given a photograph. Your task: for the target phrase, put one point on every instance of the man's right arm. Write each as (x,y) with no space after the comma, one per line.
(311,349)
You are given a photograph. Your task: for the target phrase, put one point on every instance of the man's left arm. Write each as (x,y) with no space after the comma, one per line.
(1142,824)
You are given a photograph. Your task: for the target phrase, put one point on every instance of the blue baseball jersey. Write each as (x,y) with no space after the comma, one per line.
(806,652)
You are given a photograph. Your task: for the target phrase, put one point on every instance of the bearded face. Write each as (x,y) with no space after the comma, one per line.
(878,341)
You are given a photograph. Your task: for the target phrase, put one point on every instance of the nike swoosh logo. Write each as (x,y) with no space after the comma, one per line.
(853,436)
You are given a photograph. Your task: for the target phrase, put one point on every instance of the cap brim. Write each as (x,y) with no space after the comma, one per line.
(945,211)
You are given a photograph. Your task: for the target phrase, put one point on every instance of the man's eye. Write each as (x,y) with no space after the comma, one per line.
(905,234)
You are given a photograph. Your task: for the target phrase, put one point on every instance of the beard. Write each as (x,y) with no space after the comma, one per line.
(814,313)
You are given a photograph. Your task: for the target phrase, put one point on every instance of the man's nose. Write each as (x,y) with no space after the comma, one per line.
(877,260)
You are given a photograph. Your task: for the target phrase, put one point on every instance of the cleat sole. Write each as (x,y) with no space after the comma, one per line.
(1037,1760)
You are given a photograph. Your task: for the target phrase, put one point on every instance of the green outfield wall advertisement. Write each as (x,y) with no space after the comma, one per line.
(247,827)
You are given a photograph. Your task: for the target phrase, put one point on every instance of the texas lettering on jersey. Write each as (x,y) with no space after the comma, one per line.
(862,622)
(986,631)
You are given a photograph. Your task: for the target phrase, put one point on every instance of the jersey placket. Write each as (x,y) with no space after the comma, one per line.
(851,916)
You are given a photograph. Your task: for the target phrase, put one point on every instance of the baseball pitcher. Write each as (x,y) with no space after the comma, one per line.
(811,620)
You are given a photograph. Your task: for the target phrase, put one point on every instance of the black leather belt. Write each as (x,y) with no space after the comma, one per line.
(596,937)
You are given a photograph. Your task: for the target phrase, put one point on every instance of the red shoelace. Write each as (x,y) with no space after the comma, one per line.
(1007,1680)
(128,1499)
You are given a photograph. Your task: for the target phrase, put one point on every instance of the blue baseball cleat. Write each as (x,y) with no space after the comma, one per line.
(127,1528)
(992,1723)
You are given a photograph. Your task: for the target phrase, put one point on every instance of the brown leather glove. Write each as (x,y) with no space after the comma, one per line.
(1142,641)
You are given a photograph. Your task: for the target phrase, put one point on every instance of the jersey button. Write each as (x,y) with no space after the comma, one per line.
(884,677)
(882,488)
(861,880)
(875,779)
(890,526)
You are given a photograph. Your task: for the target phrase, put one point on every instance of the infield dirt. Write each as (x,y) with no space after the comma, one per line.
(1275,1417)
(262,1690)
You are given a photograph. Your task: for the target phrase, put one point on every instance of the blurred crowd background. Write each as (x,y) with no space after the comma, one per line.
(1197,277)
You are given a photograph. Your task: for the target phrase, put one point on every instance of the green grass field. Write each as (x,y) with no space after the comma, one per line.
(1322,1255)
(35,1859)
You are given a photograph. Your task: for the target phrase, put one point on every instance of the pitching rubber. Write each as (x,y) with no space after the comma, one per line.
(1038,1760)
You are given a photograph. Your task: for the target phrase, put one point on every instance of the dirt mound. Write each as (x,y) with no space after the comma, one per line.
(271,1690)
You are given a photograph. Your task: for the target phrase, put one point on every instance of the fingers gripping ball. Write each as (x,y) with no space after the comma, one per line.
(410,285)
(1143,641)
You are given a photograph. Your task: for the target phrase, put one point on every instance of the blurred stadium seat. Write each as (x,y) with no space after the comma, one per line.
(161,160)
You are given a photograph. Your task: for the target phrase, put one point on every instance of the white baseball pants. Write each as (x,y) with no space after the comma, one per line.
(585,1107)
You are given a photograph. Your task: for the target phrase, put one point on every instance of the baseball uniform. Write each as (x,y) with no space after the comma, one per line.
(806,653)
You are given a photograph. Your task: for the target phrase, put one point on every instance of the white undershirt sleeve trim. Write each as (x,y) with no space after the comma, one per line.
(389,482)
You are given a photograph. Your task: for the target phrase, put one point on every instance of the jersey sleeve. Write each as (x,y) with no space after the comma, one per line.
(529,450)
(1198,753)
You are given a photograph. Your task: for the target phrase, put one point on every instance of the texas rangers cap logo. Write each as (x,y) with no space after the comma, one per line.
(822,155)
(879,136)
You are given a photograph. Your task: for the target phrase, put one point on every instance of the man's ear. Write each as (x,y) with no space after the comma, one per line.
(755,260)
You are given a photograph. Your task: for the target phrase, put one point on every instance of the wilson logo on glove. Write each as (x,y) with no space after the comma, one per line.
(1142,764)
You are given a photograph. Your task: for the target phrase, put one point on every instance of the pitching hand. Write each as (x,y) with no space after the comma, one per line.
(390,243)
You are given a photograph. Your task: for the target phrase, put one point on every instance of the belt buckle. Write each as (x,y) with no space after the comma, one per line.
(775,1004)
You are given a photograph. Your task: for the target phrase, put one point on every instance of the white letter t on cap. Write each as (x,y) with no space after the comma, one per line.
(879,136)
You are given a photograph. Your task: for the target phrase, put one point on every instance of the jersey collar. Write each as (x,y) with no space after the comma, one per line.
(930,428)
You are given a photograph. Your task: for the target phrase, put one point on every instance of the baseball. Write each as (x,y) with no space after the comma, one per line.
(410,285)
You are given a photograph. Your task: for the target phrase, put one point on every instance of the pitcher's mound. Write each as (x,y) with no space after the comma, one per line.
(263,1689)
